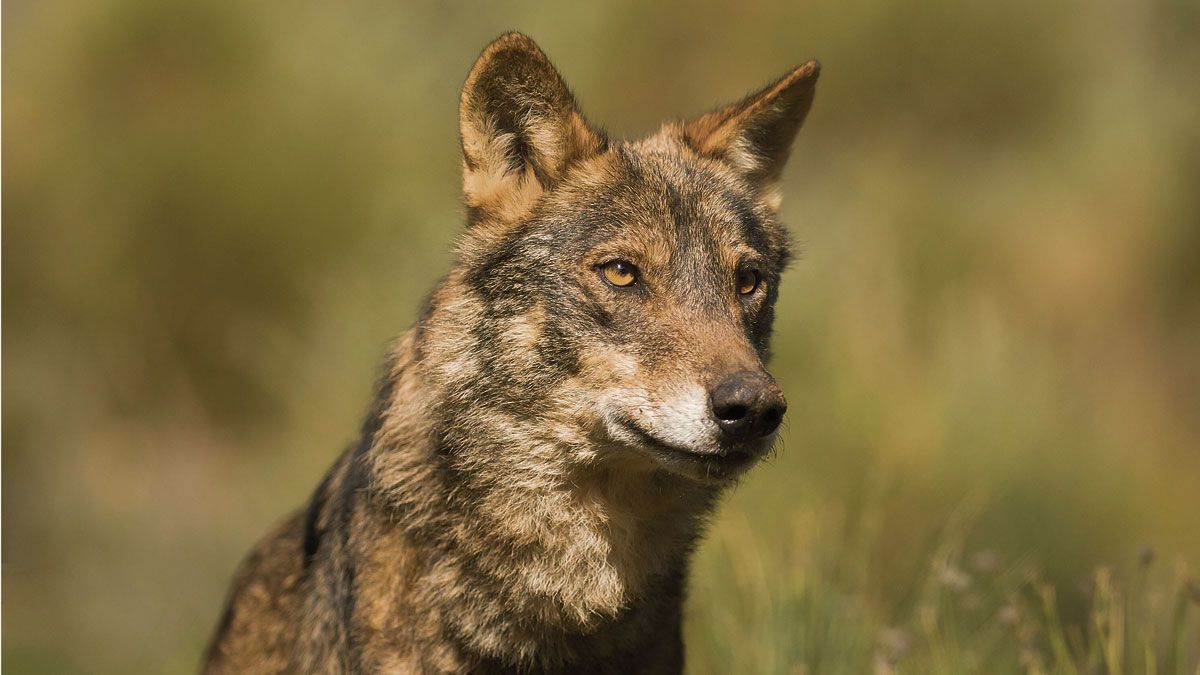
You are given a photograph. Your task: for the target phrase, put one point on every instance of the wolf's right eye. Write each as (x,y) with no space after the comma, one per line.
(619,273)
(747,281)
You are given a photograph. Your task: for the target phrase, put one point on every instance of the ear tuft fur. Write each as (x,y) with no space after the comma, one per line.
(521,128)
(755,134)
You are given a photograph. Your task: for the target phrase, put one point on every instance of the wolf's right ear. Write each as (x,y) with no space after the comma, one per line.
(520,126)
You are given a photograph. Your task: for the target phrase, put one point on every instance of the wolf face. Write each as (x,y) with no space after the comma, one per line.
(618,294)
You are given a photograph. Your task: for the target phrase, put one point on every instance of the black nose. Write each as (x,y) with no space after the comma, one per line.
(747,406)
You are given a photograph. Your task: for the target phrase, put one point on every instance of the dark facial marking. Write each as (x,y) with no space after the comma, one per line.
(751,225)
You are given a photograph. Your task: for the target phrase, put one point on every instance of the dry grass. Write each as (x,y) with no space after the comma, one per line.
(807,606)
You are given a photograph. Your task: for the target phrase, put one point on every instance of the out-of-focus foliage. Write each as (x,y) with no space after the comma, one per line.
(216,214)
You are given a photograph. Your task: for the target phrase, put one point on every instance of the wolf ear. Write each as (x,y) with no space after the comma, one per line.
(755,134)
(520,126)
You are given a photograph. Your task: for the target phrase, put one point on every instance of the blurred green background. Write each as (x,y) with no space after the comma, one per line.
(217,213)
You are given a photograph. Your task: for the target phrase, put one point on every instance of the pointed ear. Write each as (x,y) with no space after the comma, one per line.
(520,128)
(755,134)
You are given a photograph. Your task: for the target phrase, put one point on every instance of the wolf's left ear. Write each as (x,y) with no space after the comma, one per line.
(521,128)
(755,134)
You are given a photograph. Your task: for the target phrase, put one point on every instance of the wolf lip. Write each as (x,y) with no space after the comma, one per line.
(729,459)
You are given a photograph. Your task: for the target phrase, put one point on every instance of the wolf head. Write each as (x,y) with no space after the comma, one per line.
(612,302)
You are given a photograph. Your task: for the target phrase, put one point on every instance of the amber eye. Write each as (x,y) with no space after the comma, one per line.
(747,281)
(619,273)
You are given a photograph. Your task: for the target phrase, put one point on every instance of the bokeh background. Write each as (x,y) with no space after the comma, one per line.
(217,213)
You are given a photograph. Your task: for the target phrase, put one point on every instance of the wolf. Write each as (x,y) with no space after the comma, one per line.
(548,439)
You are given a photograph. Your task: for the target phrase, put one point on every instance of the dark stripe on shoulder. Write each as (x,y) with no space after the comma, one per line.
(312,518)
(355,476)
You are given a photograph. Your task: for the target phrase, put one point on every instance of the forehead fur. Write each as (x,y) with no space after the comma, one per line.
(660,188)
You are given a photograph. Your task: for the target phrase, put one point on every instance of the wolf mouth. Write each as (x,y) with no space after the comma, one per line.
(725,459)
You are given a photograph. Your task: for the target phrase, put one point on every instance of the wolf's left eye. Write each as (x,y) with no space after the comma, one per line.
(619,273)
(748,281)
